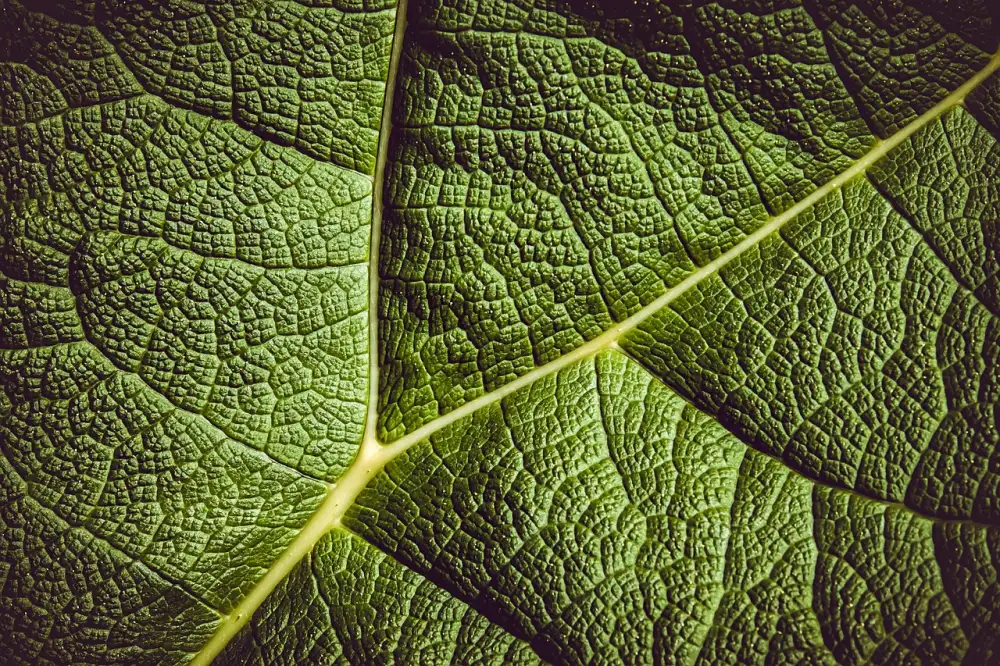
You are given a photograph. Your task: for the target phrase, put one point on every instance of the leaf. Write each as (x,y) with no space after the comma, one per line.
(669,335)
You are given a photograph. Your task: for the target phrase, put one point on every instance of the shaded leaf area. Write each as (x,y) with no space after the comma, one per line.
(984,103)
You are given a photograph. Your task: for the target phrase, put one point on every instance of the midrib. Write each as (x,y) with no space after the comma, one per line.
(373,456)
(341,494)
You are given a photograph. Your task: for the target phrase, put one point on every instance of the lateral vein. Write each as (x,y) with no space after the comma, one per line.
(610,337)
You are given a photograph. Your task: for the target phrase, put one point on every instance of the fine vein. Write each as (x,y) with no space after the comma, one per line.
(373,456)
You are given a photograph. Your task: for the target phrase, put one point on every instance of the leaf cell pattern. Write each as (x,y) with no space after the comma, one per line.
(679,343)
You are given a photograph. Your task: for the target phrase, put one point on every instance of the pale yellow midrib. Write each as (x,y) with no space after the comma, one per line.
(349,485)
(373,457)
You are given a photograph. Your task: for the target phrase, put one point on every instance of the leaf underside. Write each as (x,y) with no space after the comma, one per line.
(679,341)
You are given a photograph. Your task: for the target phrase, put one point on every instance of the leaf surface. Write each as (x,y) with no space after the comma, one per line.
(342,332)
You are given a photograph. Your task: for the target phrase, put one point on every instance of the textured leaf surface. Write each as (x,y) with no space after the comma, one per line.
(615,333)
(552,173)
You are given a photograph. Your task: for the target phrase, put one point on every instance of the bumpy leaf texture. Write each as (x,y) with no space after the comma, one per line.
(499,332)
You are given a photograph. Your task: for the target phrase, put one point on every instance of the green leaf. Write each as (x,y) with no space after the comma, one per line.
(500,332)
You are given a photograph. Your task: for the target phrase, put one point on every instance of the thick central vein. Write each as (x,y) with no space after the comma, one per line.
(373,456)
(342,494)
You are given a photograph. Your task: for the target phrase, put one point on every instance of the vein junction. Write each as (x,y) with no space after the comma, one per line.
(373,456)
